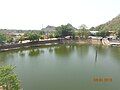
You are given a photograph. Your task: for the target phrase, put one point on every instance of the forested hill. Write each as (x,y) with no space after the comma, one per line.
(113,25)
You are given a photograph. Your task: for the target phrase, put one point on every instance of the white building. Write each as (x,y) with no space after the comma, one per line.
(93,32)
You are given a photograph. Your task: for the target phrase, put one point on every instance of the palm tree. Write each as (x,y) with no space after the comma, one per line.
(22,38)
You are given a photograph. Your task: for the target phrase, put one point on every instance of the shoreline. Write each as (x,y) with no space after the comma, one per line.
(4,48)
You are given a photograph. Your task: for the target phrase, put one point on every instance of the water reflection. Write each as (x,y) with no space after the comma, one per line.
(96,56)
(64,50)
(34,52)
(50,50)
(101,49)
(41,51)
(7,55)
(53,68)
(3,57)
(115,53)
(82,50)
(22,53)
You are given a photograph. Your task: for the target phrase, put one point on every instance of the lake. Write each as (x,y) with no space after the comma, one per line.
(66,67)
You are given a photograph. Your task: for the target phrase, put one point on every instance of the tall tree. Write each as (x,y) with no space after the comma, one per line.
(22,38)
(33,37)
(64,30)
(83,31)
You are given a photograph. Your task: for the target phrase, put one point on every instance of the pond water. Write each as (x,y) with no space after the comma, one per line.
(66,67)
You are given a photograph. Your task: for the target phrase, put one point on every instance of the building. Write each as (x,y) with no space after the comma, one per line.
(93,32)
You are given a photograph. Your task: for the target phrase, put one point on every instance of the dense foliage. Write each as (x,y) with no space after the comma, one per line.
(2,38)
(8,79)
(64,30)
(103,33)
(83,32)
(118,34)
(33,36)
(9,39)
(113,25)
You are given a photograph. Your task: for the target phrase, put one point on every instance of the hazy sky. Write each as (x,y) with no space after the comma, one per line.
(31,14)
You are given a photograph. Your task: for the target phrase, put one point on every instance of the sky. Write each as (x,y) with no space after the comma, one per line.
(37,14)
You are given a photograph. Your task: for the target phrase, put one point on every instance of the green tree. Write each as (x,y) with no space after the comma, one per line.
(118,34)
(92,29)
(34,52)
(103,33)
(8,79)
(100,27)
(41,33)
(83,31)
(64,30)
(51,35)
(57,34)
(33,37)
(9,39)
(2,38)
(22,38)
(83,27)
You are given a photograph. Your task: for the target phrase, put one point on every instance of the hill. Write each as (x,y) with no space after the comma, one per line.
(113,25)
(48,29)
(53,28)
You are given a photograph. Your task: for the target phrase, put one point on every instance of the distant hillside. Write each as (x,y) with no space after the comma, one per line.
(48,29)
(70,26)
(113,25)
(53,28)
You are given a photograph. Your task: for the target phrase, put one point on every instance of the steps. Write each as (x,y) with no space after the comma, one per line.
(105,42)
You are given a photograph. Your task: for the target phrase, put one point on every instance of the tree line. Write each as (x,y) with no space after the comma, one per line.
(60,32)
